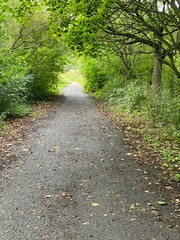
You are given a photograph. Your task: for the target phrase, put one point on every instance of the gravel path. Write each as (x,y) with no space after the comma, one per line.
(78,182)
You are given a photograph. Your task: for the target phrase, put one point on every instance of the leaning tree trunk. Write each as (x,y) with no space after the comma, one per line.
(157,69)
(156,76)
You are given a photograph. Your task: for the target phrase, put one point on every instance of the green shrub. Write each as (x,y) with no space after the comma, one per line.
(20,110)
(13,81)
(166,112)
(95,74)
(46,64)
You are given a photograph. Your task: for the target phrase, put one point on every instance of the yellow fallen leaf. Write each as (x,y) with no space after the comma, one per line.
(129,154)
(25,149)
(95,204)
(86,223)
(65,194)
(132,207)
(146,191)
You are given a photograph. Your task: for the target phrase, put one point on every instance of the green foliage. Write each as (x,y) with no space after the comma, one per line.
(20,110)
(134,96)
(170,82)
(47,56)
(172,162)
(163,112)
(166,111)
(143,68)
(46,64)
(95,74)
(13,81)
(72,75)
(130,97)
(31,57)
(90,26)
(14,75)
(135,99)
(63,81)
(2,117)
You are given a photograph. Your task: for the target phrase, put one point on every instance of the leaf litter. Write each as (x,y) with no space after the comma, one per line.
(19,129)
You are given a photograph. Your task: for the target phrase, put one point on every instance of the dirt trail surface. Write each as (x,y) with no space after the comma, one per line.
(79,182)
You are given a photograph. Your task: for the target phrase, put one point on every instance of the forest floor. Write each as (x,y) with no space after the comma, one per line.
(19,129)
(66,172)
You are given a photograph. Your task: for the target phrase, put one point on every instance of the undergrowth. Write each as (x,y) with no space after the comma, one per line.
(155,118)
(23,108)
(157,122)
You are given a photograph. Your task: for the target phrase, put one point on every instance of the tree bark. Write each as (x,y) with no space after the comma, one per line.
(178,38)
(156,76)
(157,69)
(127,71)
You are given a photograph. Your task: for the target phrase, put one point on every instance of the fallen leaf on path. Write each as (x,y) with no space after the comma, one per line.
(129,154)
(133,206)
(146,191)
(65,194)
(95,204)
(86,223)
(162,203)
(25,149)
(169,188)
(133,219)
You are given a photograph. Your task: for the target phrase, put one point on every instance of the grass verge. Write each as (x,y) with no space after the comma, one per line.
(151,144)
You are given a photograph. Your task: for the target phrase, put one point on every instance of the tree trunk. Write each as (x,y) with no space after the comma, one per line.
(127,68)
(156,76)
(178,38)
(127,72)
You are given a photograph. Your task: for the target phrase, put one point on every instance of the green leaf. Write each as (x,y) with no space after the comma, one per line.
(161,203)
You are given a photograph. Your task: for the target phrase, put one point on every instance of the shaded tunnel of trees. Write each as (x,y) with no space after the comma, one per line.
(128,52)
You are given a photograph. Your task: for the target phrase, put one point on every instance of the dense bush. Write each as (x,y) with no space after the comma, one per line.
(95,74)
(46,64)
(13,81)
(135,96)
(31,57)
(14,75)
